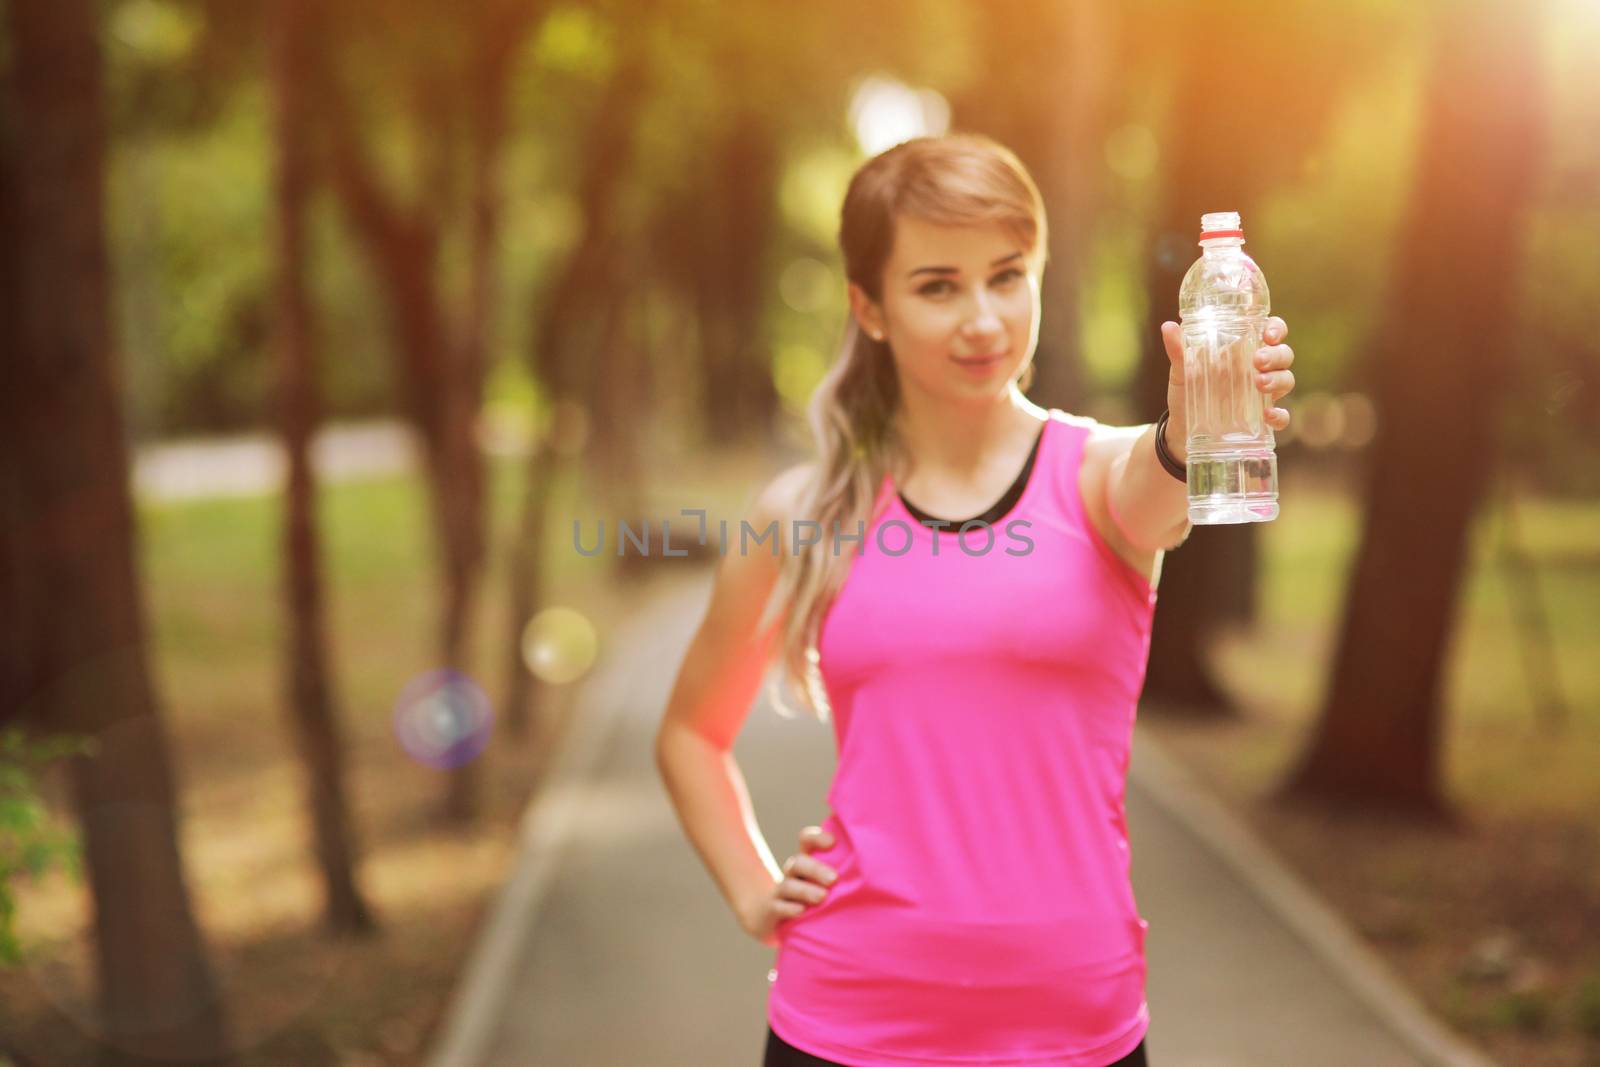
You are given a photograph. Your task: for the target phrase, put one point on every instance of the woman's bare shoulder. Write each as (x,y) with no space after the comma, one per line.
(1071,419)
(780,498)
(780,501)
(1103,441)
(1107,440)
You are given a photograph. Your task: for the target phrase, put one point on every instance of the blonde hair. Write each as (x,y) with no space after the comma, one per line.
(955,179)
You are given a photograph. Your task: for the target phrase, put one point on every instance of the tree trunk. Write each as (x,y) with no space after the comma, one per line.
(737,219)
(1043,92)
(1072,159)
(495,31)
(527,585)
(619,405)
(1439,367)
(442,361)
(70,527)
(575,306)
(308,677)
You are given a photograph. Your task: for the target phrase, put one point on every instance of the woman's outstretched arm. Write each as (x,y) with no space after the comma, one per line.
(1149,506)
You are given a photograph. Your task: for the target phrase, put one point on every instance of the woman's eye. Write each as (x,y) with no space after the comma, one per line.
(936,288)
(1006,277)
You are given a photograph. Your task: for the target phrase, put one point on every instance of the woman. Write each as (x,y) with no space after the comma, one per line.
(968,901)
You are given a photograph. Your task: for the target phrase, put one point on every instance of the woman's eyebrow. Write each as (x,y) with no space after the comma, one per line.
(954,270)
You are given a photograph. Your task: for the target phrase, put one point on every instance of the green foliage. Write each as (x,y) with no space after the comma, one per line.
(812,188)
(1530,1012)
(29,846)
(1587,1010)
(189,212)
(1326,241)
(1111,307)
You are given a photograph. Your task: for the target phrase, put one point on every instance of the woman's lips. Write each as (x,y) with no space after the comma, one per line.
(979,365)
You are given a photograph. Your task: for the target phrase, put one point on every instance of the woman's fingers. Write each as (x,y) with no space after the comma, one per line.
(815,837)
(1276,384)
(1274,357)
(808,867)
(806,878)
(802,890)
(784,906)
(779,911)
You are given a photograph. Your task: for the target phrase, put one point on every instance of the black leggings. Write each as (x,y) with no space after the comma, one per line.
(782,1054)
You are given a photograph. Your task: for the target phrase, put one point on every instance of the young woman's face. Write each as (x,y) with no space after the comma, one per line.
(959,308)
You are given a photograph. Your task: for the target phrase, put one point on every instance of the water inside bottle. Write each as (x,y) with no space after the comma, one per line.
(1233,487)
(1232,462)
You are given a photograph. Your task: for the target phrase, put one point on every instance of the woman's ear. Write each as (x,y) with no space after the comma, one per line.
(867,313)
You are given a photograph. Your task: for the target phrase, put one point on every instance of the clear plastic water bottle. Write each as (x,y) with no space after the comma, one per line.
(1223,304)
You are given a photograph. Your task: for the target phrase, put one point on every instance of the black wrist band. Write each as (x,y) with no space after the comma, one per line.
(1173,467)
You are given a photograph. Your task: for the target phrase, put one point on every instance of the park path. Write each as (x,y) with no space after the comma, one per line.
(610,946)
(253,464)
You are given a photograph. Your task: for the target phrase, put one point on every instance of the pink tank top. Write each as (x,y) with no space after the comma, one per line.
(983,703)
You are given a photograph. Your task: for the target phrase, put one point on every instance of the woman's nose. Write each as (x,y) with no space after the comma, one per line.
(984,319)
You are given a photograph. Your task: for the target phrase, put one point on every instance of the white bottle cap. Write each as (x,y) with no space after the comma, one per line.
(1219,224)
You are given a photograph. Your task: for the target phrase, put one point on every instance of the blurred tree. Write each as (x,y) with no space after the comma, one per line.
(309,686)
(1043,87)
(188,199)
(735,216)
(1223,149)
(580,350)
(452,64)
(1482,147)
(76,661)
(738,96)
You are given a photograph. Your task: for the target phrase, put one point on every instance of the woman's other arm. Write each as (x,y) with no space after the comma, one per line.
(710,700)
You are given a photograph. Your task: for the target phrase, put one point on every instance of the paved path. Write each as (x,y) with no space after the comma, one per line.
(253,464)
(612,948)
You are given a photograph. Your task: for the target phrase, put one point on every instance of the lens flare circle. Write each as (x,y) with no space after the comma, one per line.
(559,645)
(443,718)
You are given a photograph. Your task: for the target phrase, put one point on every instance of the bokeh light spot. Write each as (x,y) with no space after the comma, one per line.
(443,718)
(1360,421)
(559,645)
(1320,420)
(805,283)
(884,112)
(158,31)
